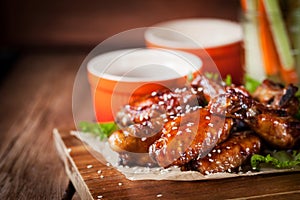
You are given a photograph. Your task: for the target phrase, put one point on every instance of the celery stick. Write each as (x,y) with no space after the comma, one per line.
(280,34)
(293,19)
(253,53)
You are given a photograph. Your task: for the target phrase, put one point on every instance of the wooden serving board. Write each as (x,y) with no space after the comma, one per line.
(93,179)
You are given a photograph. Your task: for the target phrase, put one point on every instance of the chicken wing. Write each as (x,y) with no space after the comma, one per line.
(277,96)
(228,155)
(183,140)
(169,102)
(274,126)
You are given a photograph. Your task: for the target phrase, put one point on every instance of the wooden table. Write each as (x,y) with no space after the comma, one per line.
(36,97)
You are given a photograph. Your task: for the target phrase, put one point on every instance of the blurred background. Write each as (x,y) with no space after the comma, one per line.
(79,25)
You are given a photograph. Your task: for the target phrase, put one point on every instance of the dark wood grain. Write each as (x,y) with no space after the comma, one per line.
(113,185)
(35,98)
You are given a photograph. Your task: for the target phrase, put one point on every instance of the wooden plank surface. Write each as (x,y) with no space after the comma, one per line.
(36,96)
(83,169)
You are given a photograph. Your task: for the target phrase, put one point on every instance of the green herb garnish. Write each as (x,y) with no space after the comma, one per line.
(103,130)
(212,76)
(278,159)
(251,84)
(228,80)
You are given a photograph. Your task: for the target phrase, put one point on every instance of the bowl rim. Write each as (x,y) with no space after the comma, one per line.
(164,26)
(194,62)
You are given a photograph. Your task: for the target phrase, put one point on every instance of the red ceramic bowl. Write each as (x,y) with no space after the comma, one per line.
(118,77)
(217,42)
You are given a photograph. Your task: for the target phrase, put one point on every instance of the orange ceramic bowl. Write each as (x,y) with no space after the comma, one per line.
(117,78)
(217,42)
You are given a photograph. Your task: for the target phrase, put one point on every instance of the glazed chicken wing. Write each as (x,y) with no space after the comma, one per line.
(169,102)
(122,141)
(183,140)
(228,155)
(276,96)
(274,126)
(160,104)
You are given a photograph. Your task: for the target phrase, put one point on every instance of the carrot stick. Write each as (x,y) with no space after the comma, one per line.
(244,4)
(270,57)
(281,40)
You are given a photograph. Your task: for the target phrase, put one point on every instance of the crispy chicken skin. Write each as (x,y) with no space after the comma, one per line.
(276,127)
(122,141)
(276,96)
(183,140)
(228,155)
(160,104)
(169,102)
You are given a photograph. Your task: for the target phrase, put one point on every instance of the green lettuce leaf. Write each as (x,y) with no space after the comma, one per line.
(277,159)
(228,80)
(103,130)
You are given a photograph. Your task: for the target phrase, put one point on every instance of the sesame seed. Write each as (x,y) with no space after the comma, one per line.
(153,93)
(89,166)
(159,195)
(179,133)
(119,184)
(99,196)
(190,124)
(69,150)
(101,176)
(99,171)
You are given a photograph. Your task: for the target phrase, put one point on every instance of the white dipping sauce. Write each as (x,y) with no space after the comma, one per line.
(139,65)
(195,33)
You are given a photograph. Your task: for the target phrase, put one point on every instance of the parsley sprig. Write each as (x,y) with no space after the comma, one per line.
(103,130)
